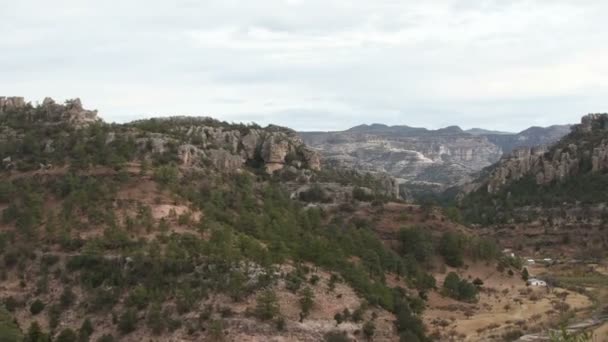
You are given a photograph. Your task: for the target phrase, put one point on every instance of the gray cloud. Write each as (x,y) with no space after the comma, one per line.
(313,64)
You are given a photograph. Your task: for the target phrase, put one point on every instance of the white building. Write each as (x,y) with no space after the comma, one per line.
(536,282)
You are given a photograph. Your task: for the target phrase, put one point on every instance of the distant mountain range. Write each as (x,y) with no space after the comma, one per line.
(431,158)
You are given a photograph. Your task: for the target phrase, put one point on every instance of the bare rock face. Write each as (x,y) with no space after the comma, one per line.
(195,141)
(251,142)
(189,154)
(224,160)
(312,158)
(8,103)
(76,115)
(587,142)
(71,112)
(274,152)
(229,148)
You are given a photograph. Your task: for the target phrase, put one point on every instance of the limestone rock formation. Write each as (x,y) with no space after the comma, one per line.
(8,103)
(196,142)
(587,144)
(230,148)
(71,112)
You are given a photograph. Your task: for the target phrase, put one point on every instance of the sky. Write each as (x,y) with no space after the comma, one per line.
(314,65)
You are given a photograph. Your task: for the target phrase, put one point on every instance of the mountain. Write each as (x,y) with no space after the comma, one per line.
(435,159)
(560,188)
(481,131)
(533,136)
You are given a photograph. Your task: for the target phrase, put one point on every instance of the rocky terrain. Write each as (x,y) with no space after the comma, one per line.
(436,159)
(584,150)
(548,200)
(188,228)
(195,141)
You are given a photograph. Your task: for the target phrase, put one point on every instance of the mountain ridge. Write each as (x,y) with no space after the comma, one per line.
(436,159)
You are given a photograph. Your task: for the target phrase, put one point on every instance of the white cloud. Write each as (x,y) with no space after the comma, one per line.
(313,64)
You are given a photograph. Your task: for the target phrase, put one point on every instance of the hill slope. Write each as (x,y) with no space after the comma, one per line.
(557,192)
(189,229)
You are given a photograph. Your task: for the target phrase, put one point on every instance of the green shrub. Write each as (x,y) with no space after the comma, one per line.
(451,247)
(369,328)
(336,336)
(35,334)
(86,330)
(106,338)
(127,322)
(154,319)
(9,329)
(307,301)
(54,314)
(37,307)
(67,335)
(67,298)
(267,305)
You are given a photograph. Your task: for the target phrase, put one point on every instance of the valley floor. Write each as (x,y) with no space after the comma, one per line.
(507,308)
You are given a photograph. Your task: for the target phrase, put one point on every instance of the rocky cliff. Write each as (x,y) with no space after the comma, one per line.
(71,112)
(193,142)
(439,158)
(549,199)
(584,150)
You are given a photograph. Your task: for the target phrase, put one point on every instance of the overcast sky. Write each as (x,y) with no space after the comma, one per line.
(314,64)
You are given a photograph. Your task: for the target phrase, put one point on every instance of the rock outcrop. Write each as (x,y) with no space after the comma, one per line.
(196,142)
(11,103)
(50,112)
(275,147)
(584,149)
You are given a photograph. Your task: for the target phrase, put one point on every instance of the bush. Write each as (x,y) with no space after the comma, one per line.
(67,335)
(369,328)
(336,336)
(54,314)
(67,297)
(37,307)
(155,320)
(106,338)
(86,330)
(460,289)
(9,330)
(307,301)
(166,175)
(267,306)
(451,247)
(281,324)
(138,298)
(362,195)
(417,242)
(10,303)
(478,282)
(34,334)
(315,194)
(127,321)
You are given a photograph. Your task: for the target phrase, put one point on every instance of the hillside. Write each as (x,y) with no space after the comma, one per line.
(554,195)
(196,229)
(424,160)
